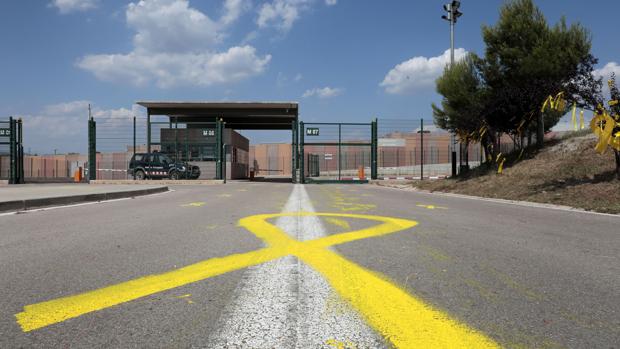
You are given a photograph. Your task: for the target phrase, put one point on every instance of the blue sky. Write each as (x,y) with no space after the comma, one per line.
(347,60)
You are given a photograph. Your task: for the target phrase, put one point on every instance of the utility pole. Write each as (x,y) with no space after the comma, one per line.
(453,14)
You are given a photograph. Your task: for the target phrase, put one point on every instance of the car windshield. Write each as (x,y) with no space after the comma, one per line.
(164,159)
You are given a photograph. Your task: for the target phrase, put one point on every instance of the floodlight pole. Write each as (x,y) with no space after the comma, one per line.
(451,39)
(453,14)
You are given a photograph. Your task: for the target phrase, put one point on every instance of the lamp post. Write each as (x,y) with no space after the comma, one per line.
(452,9)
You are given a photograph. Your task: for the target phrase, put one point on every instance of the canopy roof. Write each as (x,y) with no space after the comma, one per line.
(237,115)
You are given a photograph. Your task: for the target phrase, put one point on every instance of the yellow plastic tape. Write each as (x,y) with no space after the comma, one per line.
(500,169)
(574,119)
(603,126)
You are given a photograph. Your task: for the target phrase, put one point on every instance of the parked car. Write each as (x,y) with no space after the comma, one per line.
(160,166)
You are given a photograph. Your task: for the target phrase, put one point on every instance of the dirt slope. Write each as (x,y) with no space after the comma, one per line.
(566,172)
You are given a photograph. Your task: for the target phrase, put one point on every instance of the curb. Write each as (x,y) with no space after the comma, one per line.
(29,204)
(530,204)
(162,182)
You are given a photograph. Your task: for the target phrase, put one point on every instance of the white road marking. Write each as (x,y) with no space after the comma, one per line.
(286,304)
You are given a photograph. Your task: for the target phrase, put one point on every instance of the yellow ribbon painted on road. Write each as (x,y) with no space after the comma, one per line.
(402,319)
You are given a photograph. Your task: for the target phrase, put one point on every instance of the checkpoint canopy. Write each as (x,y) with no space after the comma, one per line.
(229,115)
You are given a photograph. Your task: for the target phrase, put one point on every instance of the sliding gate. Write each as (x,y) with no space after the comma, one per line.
(337,152)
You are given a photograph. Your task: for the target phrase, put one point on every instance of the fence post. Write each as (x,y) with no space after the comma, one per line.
(134,144)
(20,150)
(421,149)
(12,151)
(92,149)
(373,149)
(218,148)
(339,149)
(224,163)
(148,130)
(293,152)
(302,157)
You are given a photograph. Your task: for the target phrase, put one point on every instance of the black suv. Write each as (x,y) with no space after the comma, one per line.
(158,165)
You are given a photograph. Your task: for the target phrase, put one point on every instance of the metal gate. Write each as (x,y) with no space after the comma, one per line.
(113,141)
(11,151)
(342,152)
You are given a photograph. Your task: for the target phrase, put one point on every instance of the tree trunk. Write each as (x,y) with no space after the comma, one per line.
(617,154)
(467,154)
(491,147)
(485,149)
(529,138)
(540,132)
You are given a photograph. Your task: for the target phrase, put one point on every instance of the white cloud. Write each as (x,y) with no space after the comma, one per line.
(418,73)
(174,46)
(281,14)
(325,92)
(331,2)
(283,80)
(607,70)
(68,6)
(605,74)
(172,69)
(64,125)
(233,9)
(170,26)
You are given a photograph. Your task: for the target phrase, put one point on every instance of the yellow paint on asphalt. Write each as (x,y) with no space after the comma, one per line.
(61,309)
(338,222)
(340,344)
(195,204)
(212,226)
(402,319)
(435,253)
(432,207)
(224,195)
(348,203)
(186,297)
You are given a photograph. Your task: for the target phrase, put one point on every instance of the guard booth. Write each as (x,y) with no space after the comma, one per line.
(11,151)
(204,133)
(338,152)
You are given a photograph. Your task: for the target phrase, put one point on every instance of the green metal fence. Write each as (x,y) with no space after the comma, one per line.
(337,151)
(11,146)
(112,141)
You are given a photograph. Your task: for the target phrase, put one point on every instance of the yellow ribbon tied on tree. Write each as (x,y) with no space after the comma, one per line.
(603,125)
(557,103)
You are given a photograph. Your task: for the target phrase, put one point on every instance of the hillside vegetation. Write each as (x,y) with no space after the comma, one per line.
(565,172)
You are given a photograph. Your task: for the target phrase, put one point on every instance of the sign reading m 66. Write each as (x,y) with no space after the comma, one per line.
(5,132)
(208,132)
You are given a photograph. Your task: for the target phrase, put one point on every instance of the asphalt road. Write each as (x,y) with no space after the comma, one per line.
(380,267)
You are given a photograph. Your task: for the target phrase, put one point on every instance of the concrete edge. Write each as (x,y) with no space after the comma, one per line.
(531,204)
(156,182)
(29,204)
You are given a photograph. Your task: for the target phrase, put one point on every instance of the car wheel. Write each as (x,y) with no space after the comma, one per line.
(140,175)
(174,175)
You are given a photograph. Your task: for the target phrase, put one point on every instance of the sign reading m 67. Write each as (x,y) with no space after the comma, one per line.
(312,131)
(5,132)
